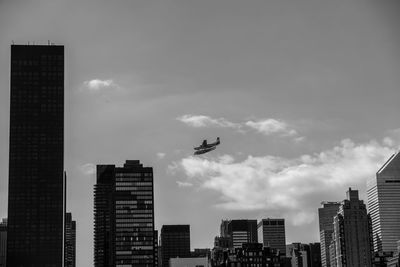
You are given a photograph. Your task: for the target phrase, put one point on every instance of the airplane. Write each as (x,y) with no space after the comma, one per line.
(204,147)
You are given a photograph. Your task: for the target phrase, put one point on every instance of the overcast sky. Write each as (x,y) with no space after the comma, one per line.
(304,95)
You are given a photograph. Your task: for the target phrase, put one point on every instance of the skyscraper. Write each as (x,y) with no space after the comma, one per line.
(352,241)
(271,233)
(70,241)
(175,242)
(124,216)
(36,157)
(383,192)
(241,232)
(326,214)
(3,242)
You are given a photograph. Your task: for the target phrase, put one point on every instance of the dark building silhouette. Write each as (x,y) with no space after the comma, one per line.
(241,232)
(252,255)
(271,233)
(156,252)
(326,214)
(175,242)
(70,241)
(124,216)
(36,157)
(3,242)
(352,236)
(314,254)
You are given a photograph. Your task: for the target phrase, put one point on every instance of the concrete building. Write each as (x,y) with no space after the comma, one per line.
(326,214)
(3,242)
(175,242)
(70,241)
(271,233)
(36,162)
(352,233)
(383,192)
(124,216)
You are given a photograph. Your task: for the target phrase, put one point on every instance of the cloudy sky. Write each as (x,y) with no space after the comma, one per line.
(303,94)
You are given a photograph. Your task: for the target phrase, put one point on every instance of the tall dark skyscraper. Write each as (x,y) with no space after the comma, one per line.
(3,242)
(36,157)
(351,241)
(241,232)
(124,216)
(175,242)
(70,241)
(326,214)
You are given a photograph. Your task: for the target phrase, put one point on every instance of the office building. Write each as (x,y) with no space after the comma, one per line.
(240,232)
(352,233)
(156,248)
(271,233)
(175,242)
(36,157)
(124,216)
(298,253)
(326,214)
(383,192)
(3,242)
(70,241)
(314,255)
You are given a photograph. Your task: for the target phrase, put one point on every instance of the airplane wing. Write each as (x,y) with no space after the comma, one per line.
(202,151)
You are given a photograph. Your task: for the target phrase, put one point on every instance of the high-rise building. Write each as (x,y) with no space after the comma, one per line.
(124,216)
(271,233)
(3,242)
(299,254)
(326,214)
(175,242)
(36,157)
(241,232)
(70,241)
(383,192)
(314,255)
(352,233)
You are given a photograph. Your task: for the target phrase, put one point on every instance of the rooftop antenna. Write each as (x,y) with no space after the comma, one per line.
(48,42)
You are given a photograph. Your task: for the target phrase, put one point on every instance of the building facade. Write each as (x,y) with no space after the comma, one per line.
(241,232)
(70,241)
(124,216)
(383,192)
(326,214)
(271,233)
(175,242)
(3,242)
(352,233)
(36,157)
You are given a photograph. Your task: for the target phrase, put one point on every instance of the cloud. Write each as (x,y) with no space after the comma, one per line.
(206,121)
(184,184)
(97,84)
(272,126)
(88,168)
(161,155)
(265,126)
(280,186)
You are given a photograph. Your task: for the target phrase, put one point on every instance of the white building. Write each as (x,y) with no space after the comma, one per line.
(384,205)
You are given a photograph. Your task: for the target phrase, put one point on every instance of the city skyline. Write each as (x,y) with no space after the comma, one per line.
(303,95)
